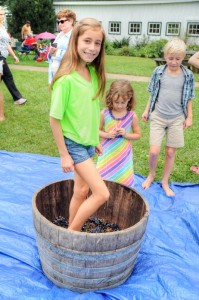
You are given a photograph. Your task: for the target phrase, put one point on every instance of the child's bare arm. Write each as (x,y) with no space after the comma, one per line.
(103,134)
(145,114)
(67,163)
(194,60)
(188,120)
(99,149)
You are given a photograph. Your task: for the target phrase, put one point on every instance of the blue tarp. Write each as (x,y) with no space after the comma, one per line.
(167,266)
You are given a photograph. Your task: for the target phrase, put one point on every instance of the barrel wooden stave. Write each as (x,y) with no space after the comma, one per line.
(81,289)
(86,273)
(89,284)
(87,259)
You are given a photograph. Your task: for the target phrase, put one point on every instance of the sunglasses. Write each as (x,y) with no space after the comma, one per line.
(62,21)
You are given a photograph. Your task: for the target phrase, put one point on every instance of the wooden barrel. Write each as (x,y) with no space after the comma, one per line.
(82,261)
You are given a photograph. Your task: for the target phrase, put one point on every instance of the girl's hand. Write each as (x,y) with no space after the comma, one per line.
(145,116)
(99,149)
(67,164)
(121,131)
(112,134)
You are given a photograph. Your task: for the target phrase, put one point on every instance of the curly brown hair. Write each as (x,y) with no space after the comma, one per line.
(121,88)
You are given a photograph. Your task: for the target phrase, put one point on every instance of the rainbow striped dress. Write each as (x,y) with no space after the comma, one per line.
(116,163)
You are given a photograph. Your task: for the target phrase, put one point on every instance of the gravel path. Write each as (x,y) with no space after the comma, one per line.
(110,76)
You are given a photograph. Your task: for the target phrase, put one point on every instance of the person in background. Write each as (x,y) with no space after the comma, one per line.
(119,126)
(26,30)
(194,61)
(2,116)
(75,116)
(5,50)
(66,19)
(170,107)
(30,43)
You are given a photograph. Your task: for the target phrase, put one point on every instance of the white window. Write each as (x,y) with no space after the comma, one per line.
(193,28)
(135,28)
(154,28)
(173,29)
(115,27)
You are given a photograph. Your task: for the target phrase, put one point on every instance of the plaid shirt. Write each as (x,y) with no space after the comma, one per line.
(155,83)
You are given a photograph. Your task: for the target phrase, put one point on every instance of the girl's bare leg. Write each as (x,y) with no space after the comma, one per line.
(2,116)
(79,195)
(153,160)
(169,162)
(100,194)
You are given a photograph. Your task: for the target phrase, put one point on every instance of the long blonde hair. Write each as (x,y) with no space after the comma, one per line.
(71,58)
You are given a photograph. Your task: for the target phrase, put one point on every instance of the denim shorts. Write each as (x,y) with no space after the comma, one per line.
(78,152)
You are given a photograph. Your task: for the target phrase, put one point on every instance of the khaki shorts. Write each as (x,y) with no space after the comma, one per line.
(172,127)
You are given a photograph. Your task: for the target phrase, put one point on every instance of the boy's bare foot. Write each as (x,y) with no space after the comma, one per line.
(195,169)
(2,119)
(146,184)
(168,191)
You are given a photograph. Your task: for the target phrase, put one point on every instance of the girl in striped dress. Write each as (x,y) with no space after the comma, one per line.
(119,125)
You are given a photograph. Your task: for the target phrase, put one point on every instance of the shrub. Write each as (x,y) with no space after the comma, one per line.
(119,44)
(109,50)
(193,47)
(141,42)
(155,48)
(142,47)
(124,51)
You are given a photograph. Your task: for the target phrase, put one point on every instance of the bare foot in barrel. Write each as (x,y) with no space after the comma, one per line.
(146,184)
(168,191)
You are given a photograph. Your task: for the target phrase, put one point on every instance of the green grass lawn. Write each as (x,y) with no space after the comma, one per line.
(114,64)
(27,129)
(136,66)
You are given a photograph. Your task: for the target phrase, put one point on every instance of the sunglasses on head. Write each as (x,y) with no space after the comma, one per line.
(62,21)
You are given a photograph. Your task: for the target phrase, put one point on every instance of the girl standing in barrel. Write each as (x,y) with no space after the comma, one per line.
(75,117)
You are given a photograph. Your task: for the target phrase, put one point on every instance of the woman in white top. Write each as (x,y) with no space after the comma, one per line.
(66,19)
(2,116)
(5,50)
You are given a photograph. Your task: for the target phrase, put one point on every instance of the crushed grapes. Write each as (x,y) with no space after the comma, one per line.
(93,225)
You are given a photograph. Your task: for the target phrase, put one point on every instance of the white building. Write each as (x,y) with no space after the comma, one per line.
(138,18)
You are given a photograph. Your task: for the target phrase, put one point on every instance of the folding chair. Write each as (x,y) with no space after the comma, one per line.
(22,51)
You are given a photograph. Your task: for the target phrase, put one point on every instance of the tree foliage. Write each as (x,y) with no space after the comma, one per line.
(2,2)
(40,13)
